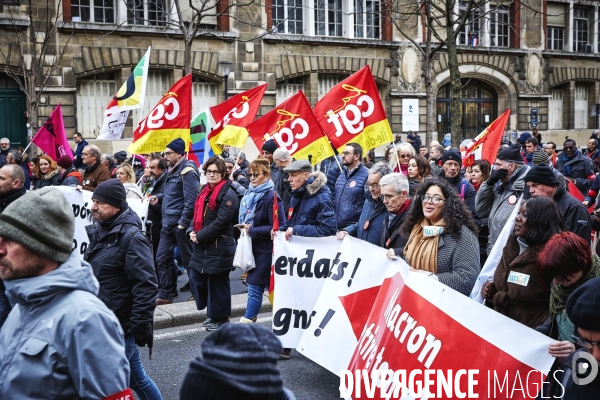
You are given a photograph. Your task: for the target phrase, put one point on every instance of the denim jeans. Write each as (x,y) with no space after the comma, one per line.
(141,383)
(255,298)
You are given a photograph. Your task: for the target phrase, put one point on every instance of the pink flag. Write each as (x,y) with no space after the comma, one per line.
(51,137)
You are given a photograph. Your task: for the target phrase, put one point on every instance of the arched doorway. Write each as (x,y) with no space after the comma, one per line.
(12,112)
(479,107)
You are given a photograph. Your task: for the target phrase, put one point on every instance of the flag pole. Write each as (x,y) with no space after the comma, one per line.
(397,158)
(25,149)
(236,161)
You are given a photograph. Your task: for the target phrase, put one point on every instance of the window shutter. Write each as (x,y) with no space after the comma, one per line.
(556,15)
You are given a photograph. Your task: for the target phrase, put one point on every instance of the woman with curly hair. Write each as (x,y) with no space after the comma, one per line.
(46,173)
(519,290)
(442,237)
(418,170)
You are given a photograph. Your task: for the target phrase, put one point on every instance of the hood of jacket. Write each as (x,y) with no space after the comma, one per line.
(73,274)
(128,216)
(319,181)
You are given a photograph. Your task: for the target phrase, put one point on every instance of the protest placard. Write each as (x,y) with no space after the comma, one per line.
(81,202)
(301,267)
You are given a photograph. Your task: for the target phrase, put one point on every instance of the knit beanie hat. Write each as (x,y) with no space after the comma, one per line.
(452,155)
(270,146)
(540,157)
(65,162)
(177,145)
(41,220)
(512,154)
(238,362)
(120,156)
(541,175)
(583,305)
(111,192)
(523,137)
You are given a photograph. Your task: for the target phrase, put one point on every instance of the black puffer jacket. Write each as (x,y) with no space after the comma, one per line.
(155,211)
(213,254)
(121,257)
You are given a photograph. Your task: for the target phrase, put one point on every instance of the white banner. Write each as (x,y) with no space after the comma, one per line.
(113,125)
(301,267)
(81,202)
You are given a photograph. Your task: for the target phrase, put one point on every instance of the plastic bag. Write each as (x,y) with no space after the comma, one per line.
(244,259)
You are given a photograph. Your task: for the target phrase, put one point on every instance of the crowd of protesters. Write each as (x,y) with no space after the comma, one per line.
(421,203)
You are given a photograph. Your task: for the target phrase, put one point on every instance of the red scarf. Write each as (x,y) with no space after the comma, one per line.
(476,186)
(403,207)
(212,203)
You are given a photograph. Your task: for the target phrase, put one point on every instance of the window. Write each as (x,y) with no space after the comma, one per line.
(287,16)
(581,106)
(93,11)
(203,94)
(10,2)
(287,88)
(367,19)
(326,82)
(328,17)
(555,109)
(93,94)
(581,29)
(556,38)
(469,34)
(499,26)
(147,12)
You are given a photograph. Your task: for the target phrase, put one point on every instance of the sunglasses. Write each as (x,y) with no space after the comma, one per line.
(253,175)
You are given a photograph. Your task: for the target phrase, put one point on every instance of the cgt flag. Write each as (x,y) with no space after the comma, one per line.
(352,112)
(485,145)
(168,120)
(233,116)
(200,150)
(51,137)
(294,127)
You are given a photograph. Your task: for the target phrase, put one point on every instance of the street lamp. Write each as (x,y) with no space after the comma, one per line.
(225,69)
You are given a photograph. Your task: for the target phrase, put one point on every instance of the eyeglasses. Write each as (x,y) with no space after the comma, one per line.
(168,153)
(403,156)
(212,172)
(347,153)
(452,164)
(390,196)
(373,185)
(253,175)
(585,344)
(432,200)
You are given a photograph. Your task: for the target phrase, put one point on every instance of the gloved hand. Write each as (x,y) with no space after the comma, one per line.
(143,339)
(496,176)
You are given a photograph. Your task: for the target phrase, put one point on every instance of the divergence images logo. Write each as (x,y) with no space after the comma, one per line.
(581,365)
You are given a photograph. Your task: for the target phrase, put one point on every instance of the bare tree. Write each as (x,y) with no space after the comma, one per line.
(443,20)
(34,52)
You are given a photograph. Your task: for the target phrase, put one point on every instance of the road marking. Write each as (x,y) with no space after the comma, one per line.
(184,332)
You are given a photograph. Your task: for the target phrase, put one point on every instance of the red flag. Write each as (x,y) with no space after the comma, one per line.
(294,127)
(168,120)
(51,137)
(232,116)
(352,112)
(485,145)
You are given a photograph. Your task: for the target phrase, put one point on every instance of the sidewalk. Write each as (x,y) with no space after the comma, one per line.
(185,313)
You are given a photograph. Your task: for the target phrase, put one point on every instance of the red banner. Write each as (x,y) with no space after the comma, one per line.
(232,116)
(485,145)
(168,120)
(352,112)
(294,127)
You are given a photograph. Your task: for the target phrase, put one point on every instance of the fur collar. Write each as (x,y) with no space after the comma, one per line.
(316,185)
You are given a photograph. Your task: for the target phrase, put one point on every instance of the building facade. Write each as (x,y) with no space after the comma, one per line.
(540,56)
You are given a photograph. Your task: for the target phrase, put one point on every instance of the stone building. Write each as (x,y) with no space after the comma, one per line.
(541,56)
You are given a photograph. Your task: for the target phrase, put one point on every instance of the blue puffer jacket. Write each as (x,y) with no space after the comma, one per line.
(331,169)
(182,186)
(311,209)
(350,195)
(373,211)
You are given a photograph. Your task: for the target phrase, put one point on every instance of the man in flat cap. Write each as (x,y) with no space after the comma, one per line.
(498,195)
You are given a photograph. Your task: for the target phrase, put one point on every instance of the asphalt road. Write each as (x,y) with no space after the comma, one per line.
(236,284)
(174,348)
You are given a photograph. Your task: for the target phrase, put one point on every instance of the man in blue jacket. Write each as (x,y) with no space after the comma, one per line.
(77,154)
(576,167)
(350,187)
(370,224)
(181,188)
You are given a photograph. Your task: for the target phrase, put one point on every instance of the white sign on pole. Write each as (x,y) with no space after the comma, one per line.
(410,115)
